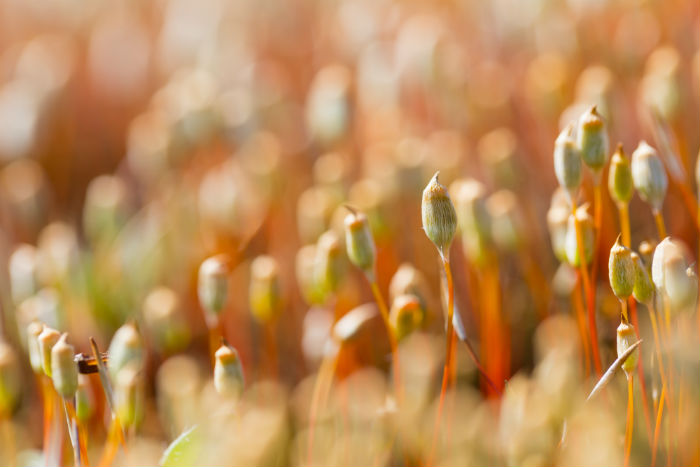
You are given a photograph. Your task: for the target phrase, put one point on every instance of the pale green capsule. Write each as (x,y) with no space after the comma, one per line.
(359,242)
(438,214)
(473,217)
(129,395)
(643,290)
(649,175)
(47,339)
(567,162)
(265,292)
(212,286)
(621,270)
(620,184)
(328,264)
(64,370)
(592,140)
(126,348)
(407,315)
(229,380)
(626,337)
(34,329)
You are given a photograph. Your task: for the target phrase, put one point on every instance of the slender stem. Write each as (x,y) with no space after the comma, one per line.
(83,441)
(495,342)
(325,373)
(590,298)
(577,301)
(657,346)
(215,335)
(448,355)
(474,358)
(72,434)
(630,418)
(112,444)
(640,369)
(623,210)
(657,427)
(660,224)
(396,364)
(48,414)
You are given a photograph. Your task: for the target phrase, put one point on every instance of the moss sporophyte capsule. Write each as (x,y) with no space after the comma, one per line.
(438,214)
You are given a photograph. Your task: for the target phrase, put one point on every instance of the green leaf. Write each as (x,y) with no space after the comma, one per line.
(184,450)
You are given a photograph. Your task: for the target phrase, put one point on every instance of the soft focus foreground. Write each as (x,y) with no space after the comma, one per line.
(227,242)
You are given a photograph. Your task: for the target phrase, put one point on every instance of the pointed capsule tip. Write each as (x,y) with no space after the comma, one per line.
(350,208)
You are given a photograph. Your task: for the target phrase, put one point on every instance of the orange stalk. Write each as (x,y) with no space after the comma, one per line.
(577,302)
(392,339)
(660,224)
(630,418)
(590,298)
(447,371)
(640,369)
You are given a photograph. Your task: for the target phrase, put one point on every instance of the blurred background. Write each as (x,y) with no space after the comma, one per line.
(139,138)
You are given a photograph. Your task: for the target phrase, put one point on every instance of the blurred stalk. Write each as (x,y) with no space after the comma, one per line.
(384,311)
(660,224)
(449,354)
(630,418)
(577,303)
(623,211)
(9,439)
(590,298)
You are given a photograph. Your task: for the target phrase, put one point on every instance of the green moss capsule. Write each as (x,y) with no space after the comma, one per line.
(643,290)
(47,339)
(212,286)
(328,265)
(407,315)
(126,348)
(359,242)
(265,293)
(439,216)
(620,184)
(649,175)
(229,380)
(626,337)
(64,371)
(621,270)
(592,140)
(567,162)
